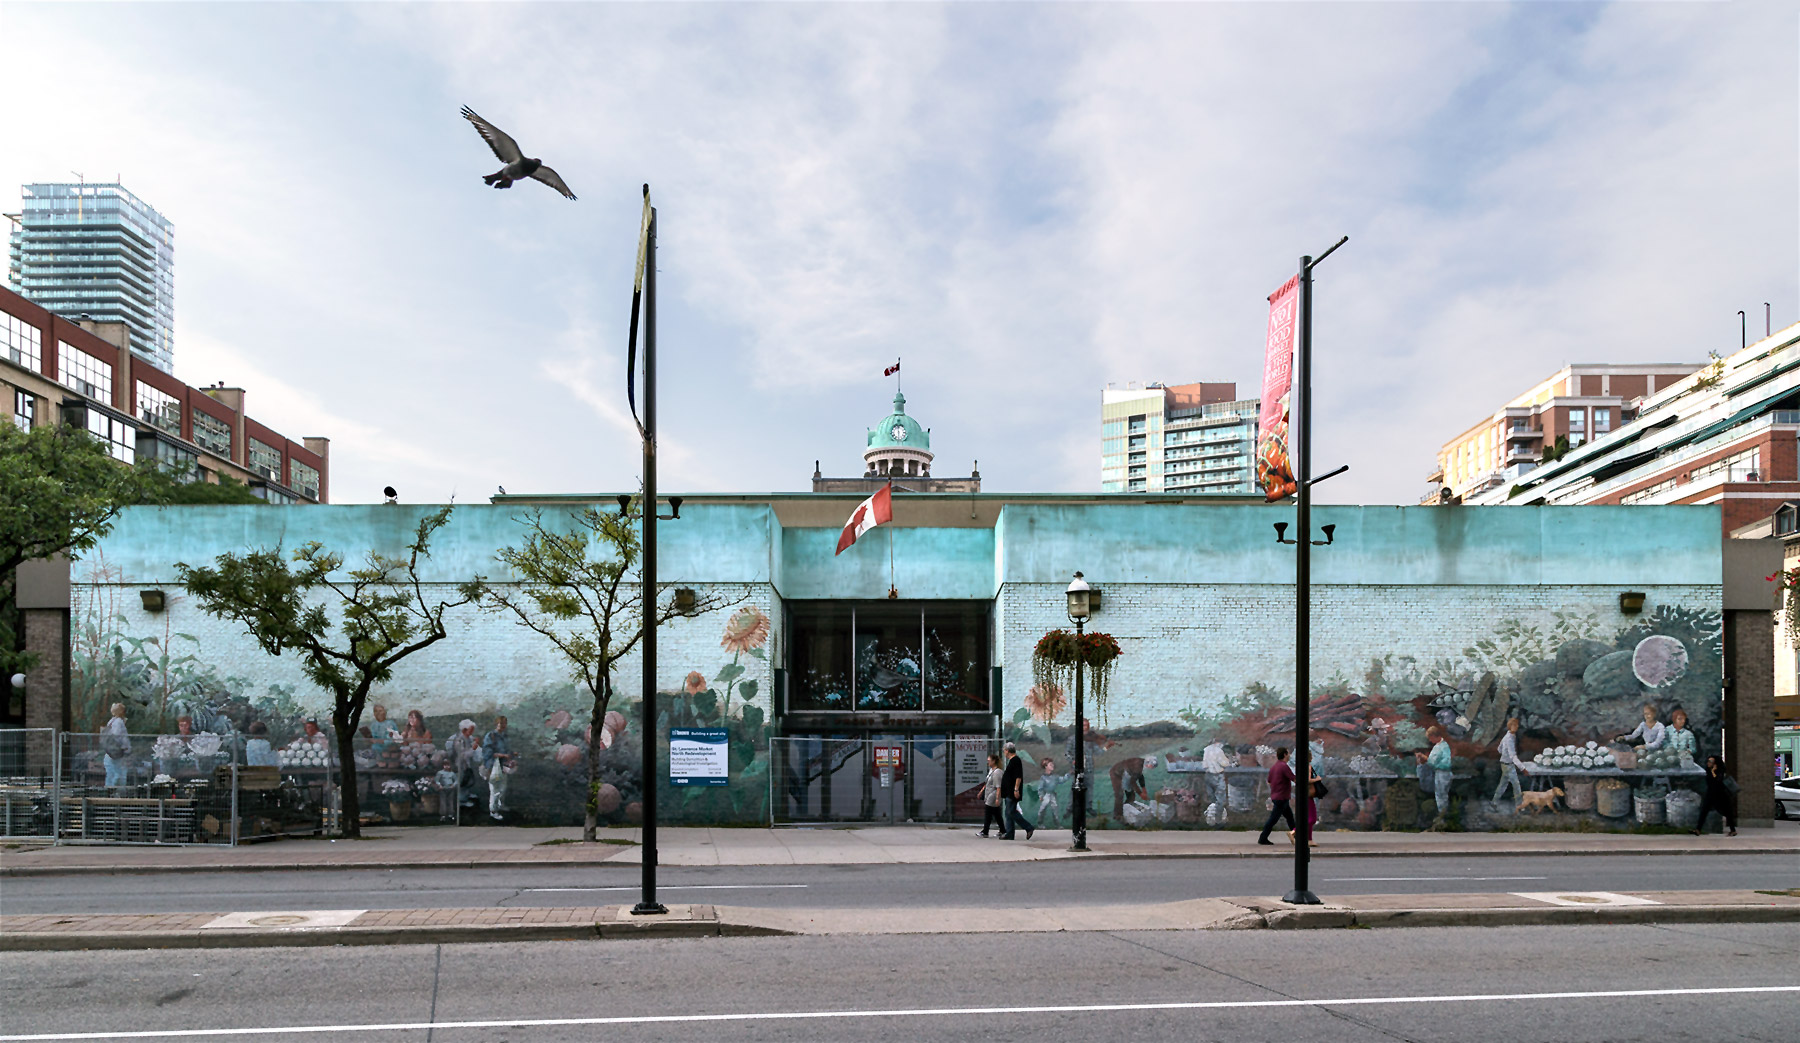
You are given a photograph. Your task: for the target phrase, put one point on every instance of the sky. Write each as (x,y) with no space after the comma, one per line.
(1021,202)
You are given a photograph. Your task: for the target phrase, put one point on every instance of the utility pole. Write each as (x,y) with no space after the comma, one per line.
(647,904)
(1303,544)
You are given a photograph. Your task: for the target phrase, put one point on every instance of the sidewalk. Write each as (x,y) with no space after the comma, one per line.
(451,847)
(50,931)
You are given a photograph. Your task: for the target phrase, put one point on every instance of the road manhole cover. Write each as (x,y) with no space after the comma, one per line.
(1594,899)
(277,921)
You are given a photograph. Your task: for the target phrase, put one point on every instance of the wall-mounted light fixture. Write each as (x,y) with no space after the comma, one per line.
(153,600)
(1631,602)
(685,600)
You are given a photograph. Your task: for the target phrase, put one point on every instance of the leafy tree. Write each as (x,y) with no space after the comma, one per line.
(181,488)
(60,491)
(348,626)
(579,588)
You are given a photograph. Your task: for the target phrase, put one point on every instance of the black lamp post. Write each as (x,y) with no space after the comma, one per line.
(1080,607)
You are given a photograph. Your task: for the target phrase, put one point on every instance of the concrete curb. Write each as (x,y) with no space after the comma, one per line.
(1561,916)
(1297,918)
(1283,854)
(427,935)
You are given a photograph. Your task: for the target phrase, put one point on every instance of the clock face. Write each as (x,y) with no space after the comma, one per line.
(899,432)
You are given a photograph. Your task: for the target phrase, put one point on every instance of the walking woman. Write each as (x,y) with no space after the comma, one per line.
(1314,782)
(1720,796)
(990,796)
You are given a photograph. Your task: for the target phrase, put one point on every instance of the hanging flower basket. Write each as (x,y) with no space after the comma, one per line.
(1060,652)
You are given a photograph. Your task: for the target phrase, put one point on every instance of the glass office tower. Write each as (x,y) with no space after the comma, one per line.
(96,250)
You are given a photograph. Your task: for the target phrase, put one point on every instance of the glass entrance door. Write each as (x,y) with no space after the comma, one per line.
(884,778)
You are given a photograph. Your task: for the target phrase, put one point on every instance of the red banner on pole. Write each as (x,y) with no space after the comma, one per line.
(1274,468)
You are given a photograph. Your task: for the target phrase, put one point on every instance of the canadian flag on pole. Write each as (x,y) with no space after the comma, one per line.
(873,511)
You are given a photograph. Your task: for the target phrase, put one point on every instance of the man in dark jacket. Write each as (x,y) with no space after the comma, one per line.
(1281,794)
(1012,790)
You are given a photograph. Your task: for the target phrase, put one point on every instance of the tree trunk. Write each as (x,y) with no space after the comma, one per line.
(591,821)
(346,714)
(349,802)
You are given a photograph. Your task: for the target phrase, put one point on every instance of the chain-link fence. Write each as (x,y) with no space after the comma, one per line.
(28,782)
(910,779)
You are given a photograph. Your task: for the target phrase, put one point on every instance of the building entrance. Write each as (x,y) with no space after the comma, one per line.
(881,778)
(887,713)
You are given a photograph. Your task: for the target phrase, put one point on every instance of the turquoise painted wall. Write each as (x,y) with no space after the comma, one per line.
(1164,543)
(928,563)
(718,543)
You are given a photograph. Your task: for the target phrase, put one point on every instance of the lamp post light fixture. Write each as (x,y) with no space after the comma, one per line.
(1080,607)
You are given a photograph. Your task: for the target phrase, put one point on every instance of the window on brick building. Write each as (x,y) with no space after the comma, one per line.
(212,434)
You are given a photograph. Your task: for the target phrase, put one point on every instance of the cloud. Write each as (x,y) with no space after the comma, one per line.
(1023,202)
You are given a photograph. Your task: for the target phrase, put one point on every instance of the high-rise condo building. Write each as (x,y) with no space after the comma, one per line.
(1179,438)
(96,251)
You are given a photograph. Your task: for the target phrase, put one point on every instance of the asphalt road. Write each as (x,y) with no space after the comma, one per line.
(1418,984)
(1108,881)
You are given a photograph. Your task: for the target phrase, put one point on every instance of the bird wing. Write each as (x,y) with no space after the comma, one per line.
(551,178)
(498,140)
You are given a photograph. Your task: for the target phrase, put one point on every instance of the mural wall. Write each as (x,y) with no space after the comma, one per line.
(1577,683)
(1432,630)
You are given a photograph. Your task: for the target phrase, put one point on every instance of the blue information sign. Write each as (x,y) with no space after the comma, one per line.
(697,757)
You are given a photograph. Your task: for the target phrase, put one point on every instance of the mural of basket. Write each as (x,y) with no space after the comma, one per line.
(1578,794)
(1240,794)
(1624,756)
(1612,798)
(1650,809)
(1683,809)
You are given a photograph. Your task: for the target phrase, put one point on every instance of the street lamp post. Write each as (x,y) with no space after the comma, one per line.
(1080,607)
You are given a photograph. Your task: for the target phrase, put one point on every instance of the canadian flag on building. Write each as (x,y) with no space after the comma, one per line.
(876,510)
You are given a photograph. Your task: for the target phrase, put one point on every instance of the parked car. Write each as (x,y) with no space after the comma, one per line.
(1787,797)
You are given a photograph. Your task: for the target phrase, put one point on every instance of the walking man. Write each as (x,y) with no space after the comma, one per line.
(1012,790)
(1281,795)
(1510,764)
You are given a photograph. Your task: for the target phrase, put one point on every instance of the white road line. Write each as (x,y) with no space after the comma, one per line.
(702,887)
(1396,879)
(920,1012)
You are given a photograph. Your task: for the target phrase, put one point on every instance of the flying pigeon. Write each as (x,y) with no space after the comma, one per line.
(518,166)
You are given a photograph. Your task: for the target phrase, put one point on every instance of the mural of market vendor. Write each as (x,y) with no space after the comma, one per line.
(1616,722)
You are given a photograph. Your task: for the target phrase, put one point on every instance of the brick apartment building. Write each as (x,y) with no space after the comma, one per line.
(1578,404)
(59,370)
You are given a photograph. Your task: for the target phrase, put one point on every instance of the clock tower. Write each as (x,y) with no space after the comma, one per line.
(897,450)
(898,446)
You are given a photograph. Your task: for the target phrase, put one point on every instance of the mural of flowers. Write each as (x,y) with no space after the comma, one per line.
(695,683)
(746,630)
(1045,702)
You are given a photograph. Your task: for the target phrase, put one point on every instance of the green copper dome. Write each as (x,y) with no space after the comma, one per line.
(899,430)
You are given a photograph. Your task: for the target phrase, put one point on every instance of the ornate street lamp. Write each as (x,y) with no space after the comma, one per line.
(1080,607)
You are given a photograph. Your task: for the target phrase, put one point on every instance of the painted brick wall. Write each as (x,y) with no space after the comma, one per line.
(1186,645)
(489,662)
